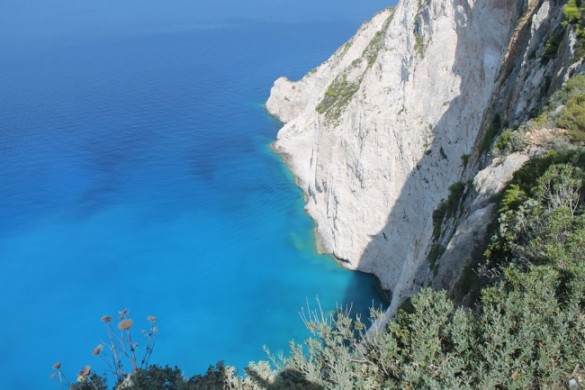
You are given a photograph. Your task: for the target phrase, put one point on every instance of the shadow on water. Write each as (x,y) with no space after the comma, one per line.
(364,292)
(440,165)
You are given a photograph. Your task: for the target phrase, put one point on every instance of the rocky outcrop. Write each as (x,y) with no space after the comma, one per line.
(377,134)
(465,245)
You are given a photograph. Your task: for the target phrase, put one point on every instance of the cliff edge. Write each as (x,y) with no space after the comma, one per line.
(383,133)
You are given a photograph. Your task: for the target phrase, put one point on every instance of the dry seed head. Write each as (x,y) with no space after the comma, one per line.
(106,318)
(85,371)
(96,351)
(151,319)
(125,324)
(57,366)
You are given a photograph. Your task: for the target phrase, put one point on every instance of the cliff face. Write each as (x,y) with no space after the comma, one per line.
(378,133)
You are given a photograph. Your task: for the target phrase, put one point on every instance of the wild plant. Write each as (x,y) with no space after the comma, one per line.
(119,352)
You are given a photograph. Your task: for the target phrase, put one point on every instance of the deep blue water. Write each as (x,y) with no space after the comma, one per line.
(135,171)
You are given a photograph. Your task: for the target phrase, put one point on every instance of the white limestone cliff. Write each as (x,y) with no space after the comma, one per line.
(377,134)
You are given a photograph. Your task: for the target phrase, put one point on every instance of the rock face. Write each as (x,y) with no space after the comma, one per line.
(378,133)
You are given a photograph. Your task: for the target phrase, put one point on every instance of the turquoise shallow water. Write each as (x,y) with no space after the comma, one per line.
(135,171)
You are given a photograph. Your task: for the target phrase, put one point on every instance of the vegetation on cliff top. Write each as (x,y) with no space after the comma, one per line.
(574,12)
(566,109)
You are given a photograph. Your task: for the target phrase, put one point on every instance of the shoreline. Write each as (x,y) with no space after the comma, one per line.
(384,295)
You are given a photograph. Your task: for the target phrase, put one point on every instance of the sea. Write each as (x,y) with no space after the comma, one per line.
(136,173)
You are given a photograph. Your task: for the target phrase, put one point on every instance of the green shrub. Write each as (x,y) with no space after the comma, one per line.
(551,47)
(448,207)
(573,87)
(524,335)
(337,96)
(437,250)
(572,117)
(156,377)
(574,12)
(464,159)
(510,141)
(371,51)
(490,134)
(513,197)
(419,44)
(541,221)
(468,279)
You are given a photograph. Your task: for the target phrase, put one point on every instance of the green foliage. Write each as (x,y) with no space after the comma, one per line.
(573,87)
(523,336)
(156,377)
(120,352)
(464,159)
(373,48)
(574,12)
(468,279)
(525,178)
(259,376)
(513,197)
(346,47)
(572,117)
(510,141)
(92,382)
(371,51)
(490,134)
(340,92)
(541,219)
(551,46)
(526,339)
(419,44)
(337,96)
(447,208)
(566,109)
(214,378)
(436,251)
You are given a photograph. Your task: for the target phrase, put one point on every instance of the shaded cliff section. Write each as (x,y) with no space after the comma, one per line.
(538,60)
